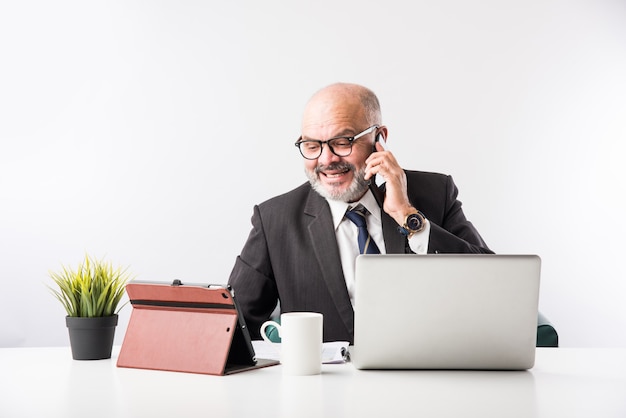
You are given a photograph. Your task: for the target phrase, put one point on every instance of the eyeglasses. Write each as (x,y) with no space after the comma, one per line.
(341,146)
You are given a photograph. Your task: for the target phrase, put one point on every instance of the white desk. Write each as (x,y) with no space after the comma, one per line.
(46,382)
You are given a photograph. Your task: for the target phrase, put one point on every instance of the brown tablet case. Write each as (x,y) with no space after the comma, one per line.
(190,328)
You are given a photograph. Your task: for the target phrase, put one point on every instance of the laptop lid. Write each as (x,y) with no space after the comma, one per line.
(446,311)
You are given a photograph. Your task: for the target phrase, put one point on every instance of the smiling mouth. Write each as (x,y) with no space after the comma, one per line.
(334,171)
(336,174)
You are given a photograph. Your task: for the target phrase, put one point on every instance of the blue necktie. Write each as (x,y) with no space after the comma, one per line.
(366,243)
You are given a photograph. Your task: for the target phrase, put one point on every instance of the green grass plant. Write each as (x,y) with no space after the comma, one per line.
(94,289)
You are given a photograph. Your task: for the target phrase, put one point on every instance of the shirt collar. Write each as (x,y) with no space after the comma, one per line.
(338,208)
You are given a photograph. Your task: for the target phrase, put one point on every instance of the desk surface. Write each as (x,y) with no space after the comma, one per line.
(46,382)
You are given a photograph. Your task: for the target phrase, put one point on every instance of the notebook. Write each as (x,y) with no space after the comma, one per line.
(194,328)
(445,311)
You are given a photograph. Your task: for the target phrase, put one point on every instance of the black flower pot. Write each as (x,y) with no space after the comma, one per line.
(91,338)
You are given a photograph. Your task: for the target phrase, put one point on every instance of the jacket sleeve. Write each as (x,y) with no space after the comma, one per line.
(450,231)
(252,279)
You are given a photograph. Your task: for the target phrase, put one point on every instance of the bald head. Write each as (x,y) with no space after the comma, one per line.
(342,102)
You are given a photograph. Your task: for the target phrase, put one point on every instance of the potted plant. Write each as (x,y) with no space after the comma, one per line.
(91,295)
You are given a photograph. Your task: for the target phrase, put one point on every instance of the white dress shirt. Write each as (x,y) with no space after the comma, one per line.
(347,235)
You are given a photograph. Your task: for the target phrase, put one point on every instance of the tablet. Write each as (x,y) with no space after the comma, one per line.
(187,327)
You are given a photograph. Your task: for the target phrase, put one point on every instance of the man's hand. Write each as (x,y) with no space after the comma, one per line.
(396,203)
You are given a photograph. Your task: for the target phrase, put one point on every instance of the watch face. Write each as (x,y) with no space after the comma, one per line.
(414,222)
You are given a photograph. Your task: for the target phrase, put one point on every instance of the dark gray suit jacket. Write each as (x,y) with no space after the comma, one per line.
(292,253)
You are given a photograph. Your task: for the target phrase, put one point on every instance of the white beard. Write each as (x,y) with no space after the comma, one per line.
(354,192)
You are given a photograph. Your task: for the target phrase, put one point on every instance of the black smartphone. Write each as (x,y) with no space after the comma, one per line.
(379,138)
(372,185)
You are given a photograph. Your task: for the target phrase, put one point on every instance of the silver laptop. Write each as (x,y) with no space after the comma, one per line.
(446,311)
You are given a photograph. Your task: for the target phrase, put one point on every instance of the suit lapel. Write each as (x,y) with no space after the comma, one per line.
(322,235)
(324,241)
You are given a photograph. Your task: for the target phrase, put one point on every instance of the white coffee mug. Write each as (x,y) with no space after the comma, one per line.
(301,342)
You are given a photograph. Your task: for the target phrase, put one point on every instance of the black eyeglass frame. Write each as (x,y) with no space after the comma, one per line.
(350,139)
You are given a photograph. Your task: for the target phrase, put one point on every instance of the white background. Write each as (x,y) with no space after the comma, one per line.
(144,132)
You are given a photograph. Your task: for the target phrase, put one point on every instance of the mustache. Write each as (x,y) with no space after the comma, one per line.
(338,166)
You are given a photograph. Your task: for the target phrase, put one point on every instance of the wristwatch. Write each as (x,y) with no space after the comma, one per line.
(413,223)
